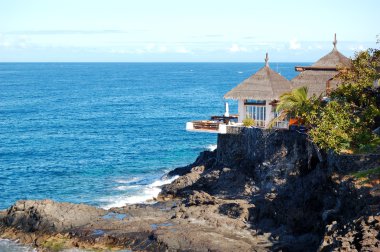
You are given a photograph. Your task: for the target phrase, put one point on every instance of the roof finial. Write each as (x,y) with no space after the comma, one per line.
(266,60)
(335,41)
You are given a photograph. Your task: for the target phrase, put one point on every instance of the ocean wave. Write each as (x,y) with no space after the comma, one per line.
(147,192)
(127,181)
(211,147)
(126,187)
(12,246)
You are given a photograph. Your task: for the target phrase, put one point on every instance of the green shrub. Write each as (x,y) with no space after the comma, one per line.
(367,175)
(248,122)
(346,123)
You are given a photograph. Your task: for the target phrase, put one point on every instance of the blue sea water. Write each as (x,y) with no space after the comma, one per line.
(105,133)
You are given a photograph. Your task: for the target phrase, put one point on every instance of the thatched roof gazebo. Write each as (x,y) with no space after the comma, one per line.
(265,84)
(257,95)
(319,78)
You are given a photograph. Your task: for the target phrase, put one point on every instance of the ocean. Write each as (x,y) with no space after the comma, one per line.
(104,134)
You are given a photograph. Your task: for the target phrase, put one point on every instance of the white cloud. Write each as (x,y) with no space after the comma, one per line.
(182,50)
(153,48)
(150,47)
(4,42)
(162,49)
(20,42)
(236,48)
(23,41)
(356,48)
(114,51)
(140,51)
(66,32)
(313,46)
(294,44)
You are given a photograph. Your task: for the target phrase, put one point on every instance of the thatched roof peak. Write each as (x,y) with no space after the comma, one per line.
(333,59)
(319,77)
(265,84)
(335,41)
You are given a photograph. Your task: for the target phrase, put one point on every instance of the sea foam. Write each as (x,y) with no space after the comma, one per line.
(12,246)
(211,147)
(146,193)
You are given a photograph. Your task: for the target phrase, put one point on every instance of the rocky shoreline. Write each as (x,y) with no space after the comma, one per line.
(283,196)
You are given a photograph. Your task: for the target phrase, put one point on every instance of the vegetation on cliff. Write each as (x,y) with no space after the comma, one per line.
(348,121)
(345,122)
(248,122)
(295,104)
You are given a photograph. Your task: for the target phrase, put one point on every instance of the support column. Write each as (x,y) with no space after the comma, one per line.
(241,111)
(268,113)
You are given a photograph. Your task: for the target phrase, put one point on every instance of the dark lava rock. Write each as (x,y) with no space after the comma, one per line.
(259,191)
(200,198)
(205,159)
(48,216)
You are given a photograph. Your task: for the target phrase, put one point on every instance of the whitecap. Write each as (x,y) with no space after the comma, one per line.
(147,193)
(211,147)
(127,181)
(126,188)
(12,246)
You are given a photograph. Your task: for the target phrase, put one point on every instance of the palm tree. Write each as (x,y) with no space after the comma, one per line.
(294,103)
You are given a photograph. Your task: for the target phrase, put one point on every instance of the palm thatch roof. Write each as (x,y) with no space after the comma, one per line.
(333,59)
(319,78)
(265,84)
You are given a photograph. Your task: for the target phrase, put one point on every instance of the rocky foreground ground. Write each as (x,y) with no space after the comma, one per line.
(289,201)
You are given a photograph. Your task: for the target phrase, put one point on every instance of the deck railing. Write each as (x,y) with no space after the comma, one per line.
(281,124)
(206,125)
(260,123)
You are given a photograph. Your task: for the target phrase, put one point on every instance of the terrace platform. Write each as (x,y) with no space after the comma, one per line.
(217,124)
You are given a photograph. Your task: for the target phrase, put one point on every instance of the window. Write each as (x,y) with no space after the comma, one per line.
(254,102)
(257,113)
(284,123)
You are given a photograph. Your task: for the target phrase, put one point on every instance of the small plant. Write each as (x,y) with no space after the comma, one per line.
(248,122)
(367,175)
(54,245)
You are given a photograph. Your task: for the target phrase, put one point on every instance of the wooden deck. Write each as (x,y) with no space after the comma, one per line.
(206,125)
(217,124)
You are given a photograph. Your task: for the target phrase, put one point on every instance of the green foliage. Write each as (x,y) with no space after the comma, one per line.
(334,127)
(248,122)
(294,103)
(346,123)
(371,145)
(367,173)
(54,245)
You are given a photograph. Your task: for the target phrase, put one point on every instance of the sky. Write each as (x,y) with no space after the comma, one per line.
(184,30)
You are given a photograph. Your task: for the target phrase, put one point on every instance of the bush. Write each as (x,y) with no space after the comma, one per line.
(248,122)
(346,123)
(335,127)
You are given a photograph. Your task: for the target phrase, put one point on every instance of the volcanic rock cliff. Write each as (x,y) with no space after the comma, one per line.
(260,190)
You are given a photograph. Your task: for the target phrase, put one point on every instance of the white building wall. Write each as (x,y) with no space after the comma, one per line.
(241,111)
(269,114)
